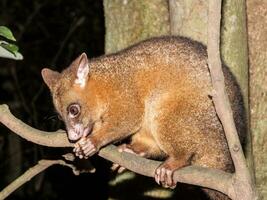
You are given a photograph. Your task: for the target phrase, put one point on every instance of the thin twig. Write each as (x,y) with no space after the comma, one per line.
(72,29)
(18,89)
(30,173)
(30,18)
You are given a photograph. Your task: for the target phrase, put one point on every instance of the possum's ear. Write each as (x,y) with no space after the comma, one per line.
(50,77)
(83,70)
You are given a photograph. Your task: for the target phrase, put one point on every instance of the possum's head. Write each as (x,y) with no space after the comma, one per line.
(75,102)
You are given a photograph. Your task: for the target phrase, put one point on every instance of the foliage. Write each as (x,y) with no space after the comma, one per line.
(8,49)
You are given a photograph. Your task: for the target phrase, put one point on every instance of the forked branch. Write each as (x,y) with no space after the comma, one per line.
(30,173)
(243,185)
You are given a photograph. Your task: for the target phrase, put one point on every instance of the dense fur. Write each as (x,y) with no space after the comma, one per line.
(158,92)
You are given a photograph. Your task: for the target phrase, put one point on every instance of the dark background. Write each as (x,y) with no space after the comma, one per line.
(49,34)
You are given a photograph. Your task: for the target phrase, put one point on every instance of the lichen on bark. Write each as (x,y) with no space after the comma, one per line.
(257,32)
(189,18)
(130,21)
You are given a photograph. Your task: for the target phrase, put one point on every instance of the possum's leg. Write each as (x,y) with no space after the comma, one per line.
(174,122)
(129,149)
(187,129)
(142,144)
(164,173)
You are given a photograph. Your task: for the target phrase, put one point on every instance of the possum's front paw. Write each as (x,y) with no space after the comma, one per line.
(85,148)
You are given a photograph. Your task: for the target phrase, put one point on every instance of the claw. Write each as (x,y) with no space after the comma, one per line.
(84,148)
(164,177)
(115,166)
(121,169)
(157,173)
(169,177)
(164,173)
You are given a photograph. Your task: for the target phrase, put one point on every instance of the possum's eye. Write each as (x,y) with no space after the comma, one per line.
(74,110)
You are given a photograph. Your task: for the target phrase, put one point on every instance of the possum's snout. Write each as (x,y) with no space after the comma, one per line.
(78,131)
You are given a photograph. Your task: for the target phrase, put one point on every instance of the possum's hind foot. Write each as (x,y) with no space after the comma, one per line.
(164,173)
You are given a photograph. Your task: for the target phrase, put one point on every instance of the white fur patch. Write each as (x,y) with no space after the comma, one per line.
(75,131)
(82,75)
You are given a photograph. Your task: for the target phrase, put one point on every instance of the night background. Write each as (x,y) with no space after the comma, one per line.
(49,34)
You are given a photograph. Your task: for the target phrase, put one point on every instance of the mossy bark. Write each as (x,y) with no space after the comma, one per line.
(257,37)
(234,51)
(189,18)
(130,21)
(234,42)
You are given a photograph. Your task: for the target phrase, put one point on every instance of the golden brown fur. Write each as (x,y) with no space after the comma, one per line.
(157,92)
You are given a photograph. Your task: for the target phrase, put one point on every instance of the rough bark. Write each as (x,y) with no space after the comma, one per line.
(189,18)
(130,21)
(234,48)
(234,51)
(257,37)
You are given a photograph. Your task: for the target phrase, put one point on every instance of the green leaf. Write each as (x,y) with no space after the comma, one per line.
(10,47)
(6,33)
(7,54)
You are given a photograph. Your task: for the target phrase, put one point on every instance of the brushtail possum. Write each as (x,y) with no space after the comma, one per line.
(156,92)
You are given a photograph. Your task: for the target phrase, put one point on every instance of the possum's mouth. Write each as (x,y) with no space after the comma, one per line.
(78,131)
(87,131)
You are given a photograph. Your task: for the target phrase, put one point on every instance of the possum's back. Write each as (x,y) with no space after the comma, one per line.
(180,64)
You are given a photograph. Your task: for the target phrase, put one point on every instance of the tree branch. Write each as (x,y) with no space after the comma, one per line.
(211,178)
(220,98)
(242,182)
(30,173)
(50,139)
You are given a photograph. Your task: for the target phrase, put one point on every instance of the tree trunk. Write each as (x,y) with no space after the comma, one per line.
(234,50)
(189,18)
(234,42)
(257,37)
(130,21)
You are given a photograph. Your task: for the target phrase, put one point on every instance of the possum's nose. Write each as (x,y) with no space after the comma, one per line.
(75,132)
(78,131)
(73,135)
